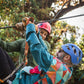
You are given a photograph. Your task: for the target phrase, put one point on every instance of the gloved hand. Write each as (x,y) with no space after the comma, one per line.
(20,27)
(29,20)
(27,69)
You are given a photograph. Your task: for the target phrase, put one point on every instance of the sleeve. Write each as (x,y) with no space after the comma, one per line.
(40,54)
(47,45)
(11,46)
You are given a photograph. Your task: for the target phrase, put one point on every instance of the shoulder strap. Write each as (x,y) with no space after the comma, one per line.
(1,81)
(26,52)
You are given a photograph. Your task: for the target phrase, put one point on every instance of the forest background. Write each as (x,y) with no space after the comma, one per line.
(12,12)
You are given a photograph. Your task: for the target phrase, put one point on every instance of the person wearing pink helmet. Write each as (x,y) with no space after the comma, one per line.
(45,29)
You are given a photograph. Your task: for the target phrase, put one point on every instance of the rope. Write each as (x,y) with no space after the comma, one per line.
(61,18)
(70,17)
(7,27)
(48,20)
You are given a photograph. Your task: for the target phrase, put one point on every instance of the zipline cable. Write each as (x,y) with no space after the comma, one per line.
(71,17)
(47,20)
(63,18)
(50,21)
(68,17)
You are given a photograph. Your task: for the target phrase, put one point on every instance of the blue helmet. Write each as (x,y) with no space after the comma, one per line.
(74,51)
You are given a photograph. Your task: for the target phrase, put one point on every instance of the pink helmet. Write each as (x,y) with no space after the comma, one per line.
(45,26)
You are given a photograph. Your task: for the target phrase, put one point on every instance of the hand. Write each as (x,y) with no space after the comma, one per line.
(20,27)
(31,20)
(27,69)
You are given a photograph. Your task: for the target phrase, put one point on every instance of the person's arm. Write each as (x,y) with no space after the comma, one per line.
(40,54)
(14,46)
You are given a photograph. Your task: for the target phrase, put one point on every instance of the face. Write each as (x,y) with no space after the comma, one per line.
(63,57)
(43,33)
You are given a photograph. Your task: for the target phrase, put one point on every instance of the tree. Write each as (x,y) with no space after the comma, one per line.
(39,9)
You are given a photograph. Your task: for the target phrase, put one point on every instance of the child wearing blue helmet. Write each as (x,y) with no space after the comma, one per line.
(50,69)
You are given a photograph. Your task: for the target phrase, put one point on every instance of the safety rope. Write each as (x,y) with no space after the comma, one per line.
(26,52)
(47,21)
(50,21)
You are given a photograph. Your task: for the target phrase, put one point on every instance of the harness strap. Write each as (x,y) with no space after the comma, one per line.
(26,52)
(1,81)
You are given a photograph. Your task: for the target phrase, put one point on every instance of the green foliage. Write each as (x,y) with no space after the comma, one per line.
(60,36)
(16,10)
(65,40)
(12,11)
(43,14)
(72,39)
(76,76)
(81,43)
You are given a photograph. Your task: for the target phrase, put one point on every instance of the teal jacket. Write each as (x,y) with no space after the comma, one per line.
(38,48)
